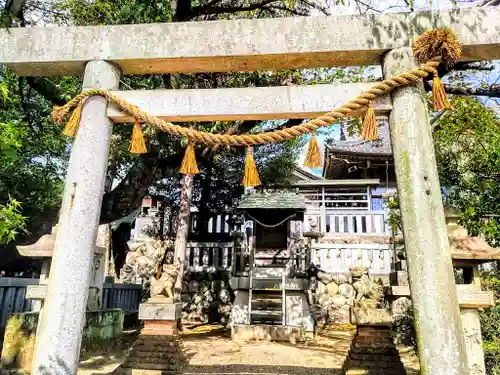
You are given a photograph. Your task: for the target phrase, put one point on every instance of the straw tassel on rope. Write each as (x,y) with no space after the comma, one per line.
(189,165)
(137,144)
(313,157)
(74,120)
(439,97)
(251,177)
(369,129)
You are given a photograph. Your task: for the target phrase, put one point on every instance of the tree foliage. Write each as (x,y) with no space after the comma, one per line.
(467,143)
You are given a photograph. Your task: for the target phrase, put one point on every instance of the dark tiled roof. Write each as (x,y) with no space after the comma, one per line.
(355,145)
(272,199)
(307,174)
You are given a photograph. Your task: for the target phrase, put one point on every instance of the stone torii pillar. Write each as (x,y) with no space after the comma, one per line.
(438,325)
(60,335)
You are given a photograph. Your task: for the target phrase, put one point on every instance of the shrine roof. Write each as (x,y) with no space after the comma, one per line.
(273,199)
(355,146)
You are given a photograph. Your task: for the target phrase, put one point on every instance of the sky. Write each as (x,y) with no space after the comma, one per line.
(386,6)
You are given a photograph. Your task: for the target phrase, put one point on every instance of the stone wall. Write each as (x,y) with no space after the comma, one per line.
(102,327)
(207,298)
(338,293)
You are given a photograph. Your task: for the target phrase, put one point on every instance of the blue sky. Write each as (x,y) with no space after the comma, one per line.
(388,6)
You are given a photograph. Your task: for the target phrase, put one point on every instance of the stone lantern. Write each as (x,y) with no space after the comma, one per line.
(467,254)
(43,249)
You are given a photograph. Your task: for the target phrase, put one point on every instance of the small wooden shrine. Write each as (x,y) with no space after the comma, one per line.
(269,269)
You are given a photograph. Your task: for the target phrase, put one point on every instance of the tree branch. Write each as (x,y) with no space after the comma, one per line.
(127,196)
(492,91)
(204,9)
(476,65)
(183,11)
(47,89)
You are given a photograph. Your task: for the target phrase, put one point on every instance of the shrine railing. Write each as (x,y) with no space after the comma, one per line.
(344,210)
(335,222)
(209,256)
(378,258)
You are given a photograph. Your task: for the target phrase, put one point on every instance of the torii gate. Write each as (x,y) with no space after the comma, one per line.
(102,54)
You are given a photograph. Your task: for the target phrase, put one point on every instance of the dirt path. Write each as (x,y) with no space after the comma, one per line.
(210,350)
(215,352)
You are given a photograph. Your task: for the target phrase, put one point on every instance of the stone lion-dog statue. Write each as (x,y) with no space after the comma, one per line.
(164,286)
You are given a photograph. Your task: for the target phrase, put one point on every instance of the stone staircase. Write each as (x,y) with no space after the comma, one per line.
(373,352)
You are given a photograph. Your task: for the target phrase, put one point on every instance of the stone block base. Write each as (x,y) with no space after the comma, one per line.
(161,327)
(371,317)
(154,355)
(247,332)
(373,353)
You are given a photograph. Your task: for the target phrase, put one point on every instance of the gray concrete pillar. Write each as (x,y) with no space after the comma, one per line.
(437,316)
(58,346)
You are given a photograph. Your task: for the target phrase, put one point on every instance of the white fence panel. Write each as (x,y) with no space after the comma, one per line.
(378,258)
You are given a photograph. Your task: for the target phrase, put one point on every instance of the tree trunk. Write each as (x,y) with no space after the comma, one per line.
(183,228)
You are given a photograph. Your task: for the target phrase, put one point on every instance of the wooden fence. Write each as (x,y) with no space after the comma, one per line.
(13,292)
(121,296)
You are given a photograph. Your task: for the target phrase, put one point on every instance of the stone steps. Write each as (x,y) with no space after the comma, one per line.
(130,371)
(153,355)
(370,364)
(372,372)
(374,357)
(145,365)
(373,353)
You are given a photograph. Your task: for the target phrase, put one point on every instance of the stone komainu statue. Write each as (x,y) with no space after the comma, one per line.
(164,286)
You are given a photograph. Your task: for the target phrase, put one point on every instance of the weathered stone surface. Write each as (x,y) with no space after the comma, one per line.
(399,278)
(363,316)
(347,290)
(160,311)
(252,103)
(37,292)
(373,353)
(338,301)
(193,286)
(325,277)
(332,289)
(324,300)
(242,45)
(473,341)
(70,272)
(400,306)
(428,255)
(342,315)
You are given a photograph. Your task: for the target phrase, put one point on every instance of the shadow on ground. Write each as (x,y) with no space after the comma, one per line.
(259,369)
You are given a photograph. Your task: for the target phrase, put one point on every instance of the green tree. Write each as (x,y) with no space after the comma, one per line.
(467,143)
(158,168)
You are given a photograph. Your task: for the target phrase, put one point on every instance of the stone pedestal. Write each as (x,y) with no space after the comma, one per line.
(373,350)
(160,318)
(158,350)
